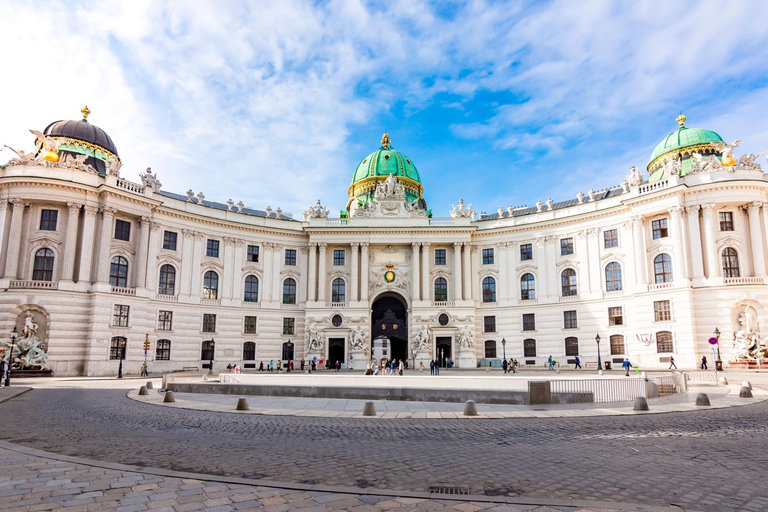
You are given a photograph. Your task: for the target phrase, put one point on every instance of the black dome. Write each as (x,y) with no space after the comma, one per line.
(84,131)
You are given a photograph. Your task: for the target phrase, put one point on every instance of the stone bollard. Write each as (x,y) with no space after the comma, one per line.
(470,409)
(702,399)
(599,372)
(242,404)
(169,397)
(369,409)
(723,381)
(643,375)
(745,392)
(641,404)
(149,385)
(143,390)
(746,383)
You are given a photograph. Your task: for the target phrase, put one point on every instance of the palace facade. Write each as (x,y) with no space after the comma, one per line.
(104,264)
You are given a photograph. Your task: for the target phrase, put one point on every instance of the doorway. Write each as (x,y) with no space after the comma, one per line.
(389,319)
(287,353)
(443,349)
(335,351)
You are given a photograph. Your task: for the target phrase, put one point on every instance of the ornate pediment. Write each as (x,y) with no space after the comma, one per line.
(44,241)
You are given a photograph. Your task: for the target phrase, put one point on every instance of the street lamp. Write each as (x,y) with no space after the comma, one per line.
(599,361)
(212,346)
(718,362)
(121,344)
(504,347)
(11,345)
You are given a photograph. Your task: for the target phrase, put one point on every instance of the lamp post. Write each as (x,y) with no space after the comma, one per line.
(718,361)
(504,347)
(599,361)
(289,346)
(121,344)
(212,346)
(11,345)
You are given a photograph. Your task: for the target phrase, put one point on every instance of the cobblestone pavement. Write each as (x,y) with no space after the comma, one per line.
(698,460)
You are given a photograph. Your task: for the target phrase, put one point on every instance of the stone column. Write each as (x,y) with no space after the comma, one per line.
(105,245)
(641,258)
(266,282)
(321,277)
(277,292)
(140,265)
(237,272)
(593,264)
(756,237)
(229,266)
(3,216)
(694,238)
(628,267)
(677,243)
(511,264)
(365,269)
(70,244)
(457,271)
(582,250)
(312,273)
(713,262)
(503,284)
(425,255)
(355,270)
(197,260)
(467,286)
(87,244)
(154,245)
(539,259)
(14,239)
(415,263)
(187,255)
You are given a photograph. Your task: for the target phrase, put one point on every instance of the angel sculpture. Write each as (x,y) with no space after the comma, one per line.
(726,150)
(48,143)
(748,161)
(113,166)
(24,158)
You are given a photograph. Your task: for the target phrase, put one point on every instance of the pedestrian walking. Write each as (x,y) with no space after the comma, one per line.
(144,372)
(504,365)
(672,363)
(421,365)
(229,367)
(577,363)
(261,366)
(626,365)
(703,362)
(551,363)
(338,365)
(431,366)
(271,365)
(401,367)
(302,365)
(437,367)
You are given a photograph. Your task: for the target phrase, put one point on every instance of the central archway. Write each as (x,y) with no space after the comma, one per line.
(389,318)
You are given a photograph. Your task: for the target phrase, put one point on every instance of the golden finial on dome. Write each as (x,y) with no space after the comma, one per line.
(385,141)
(85,110)
(681,120)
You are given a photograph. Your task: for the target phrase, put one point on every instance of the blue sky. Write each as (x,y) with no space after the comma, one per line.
(275,103)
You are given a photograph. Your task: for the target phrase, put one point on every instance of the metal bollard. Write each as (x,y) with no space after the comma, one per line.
(745,392)
(369,409)
(702,399)
(470,409)
(641,404)
(242,404)
(746,383)
(169,397)
(143,390)
(149,385)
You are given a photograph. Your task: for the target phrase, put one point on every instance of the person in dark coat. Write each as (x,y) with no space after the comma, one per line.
(504,365)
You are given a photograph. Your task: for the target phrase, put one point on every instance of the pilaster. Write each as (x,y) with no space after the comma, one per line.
(70,243)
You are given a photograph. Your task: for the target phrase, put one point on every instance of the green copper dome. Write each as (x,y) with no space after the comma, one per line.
(681,145)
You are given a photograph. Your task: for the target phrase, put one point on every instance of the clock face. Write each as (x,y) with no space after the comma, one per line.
(389,276)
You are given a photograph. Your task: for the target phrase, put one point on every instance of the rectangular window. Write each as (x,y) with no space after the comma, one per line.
(664,342)
(252,253)
(249,326)
(659,229)
(617,345)
(212,248)
(566,246)
(117,347)
(615,316)
(439,256)
(487,256)
(726,221)
(611,238)
(289,325)
(169,240)
(571,346)
(529,322)
(662,311)
(122,230)
(209,322)
(339,257)
(165,320)
(290,257)
(489,324)
(163,351)
(526,252)
(569,320)
(529,348)
(120,316)
(49,218)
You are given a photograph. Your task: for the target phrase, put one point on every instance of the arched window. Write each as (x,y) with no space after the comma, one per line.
(664,342)
(441,289)
(613,277)
(163,351)
(617,345)
(43,269)
(730,262)
(490,349)
(527,288)
(211,285)
(207,350)
(529,347)
(568,280)
(662,268)
(249,351)
(251,293)
(289,291)
(167,280)
(118,272)
(571,346)
(338,290)
(489,289)
(117,347)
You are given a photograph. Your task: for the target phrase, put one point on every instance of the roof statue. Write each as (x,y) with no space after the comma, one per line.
(726,151)
(150,180)
(463,211)
(635,178)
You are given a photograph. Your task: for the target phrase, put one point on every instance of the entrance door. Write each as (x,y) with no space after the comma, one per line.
(287,353)
(335,351)
(389,319)
(443,348)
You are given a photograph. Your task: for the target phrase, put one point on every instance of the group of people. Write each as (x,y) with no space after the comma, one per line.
(510,366)
(388,367)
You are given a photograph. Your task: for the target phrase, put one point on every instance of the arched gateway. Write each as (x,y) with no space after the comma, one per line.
(389,318)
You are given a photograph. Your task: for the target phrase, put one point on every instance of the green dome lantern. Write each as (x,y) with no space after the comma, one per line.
(681,145)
